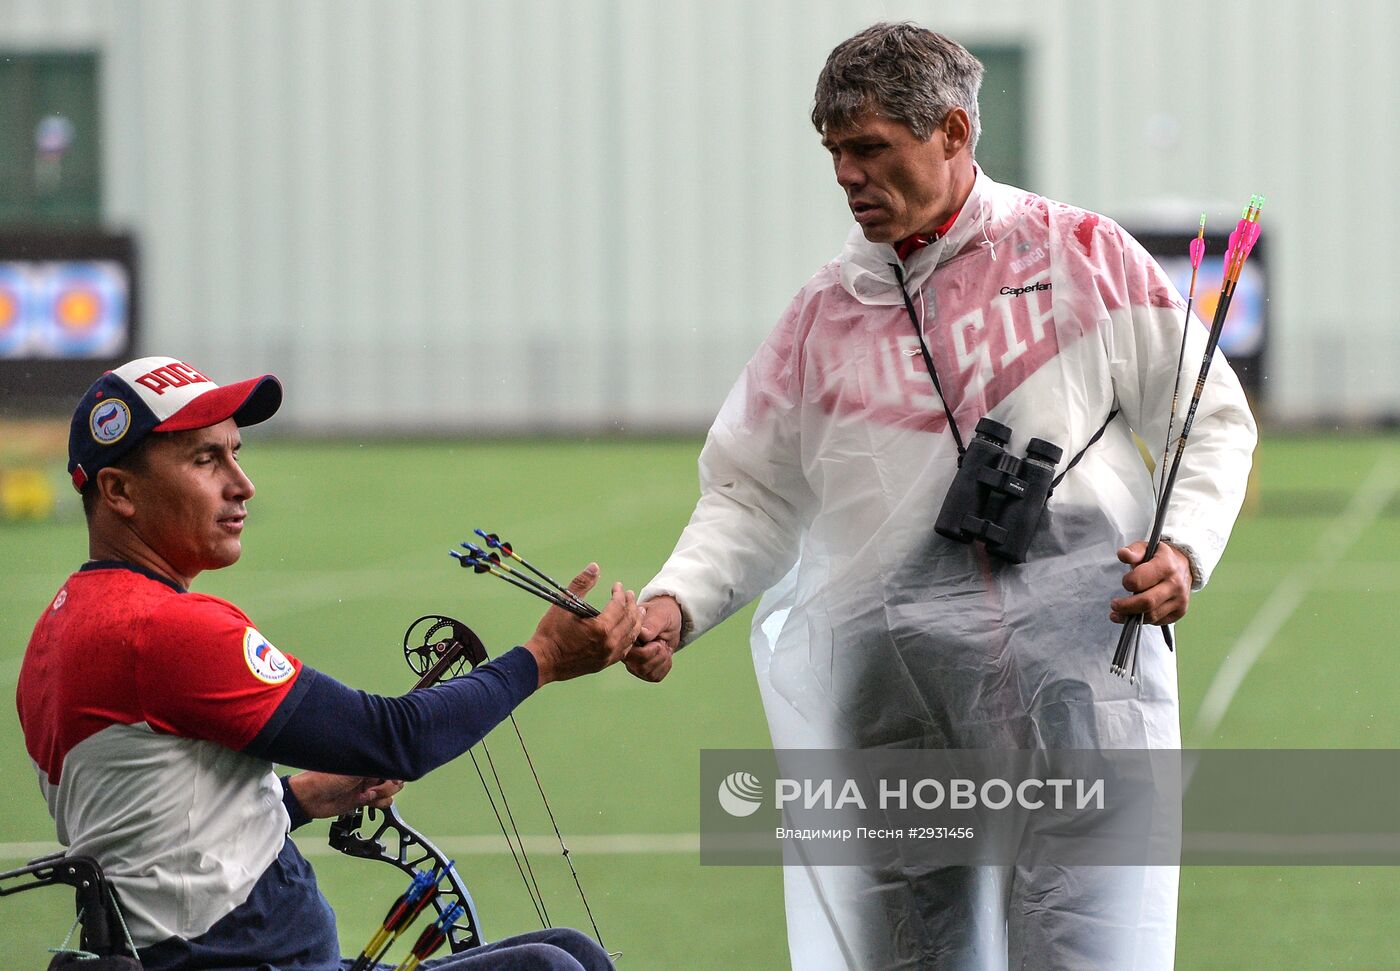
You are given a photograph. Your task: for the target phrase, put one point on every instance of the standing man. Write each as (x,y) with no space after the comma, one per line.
(154,714)
(955,299)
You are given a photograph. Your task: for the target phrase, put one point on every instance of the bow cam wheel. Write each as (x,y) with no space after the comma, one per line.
(434,641)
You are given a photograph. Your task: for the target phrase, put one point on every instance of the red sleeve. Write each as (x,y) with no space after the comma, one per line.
(204,671)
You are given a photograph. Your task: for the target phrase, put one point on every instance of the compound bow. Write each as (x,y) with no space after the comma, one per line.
(438,648)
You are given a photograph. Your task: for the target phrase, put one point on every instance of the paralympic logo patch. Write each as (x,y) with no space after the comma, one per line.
(266,662)
(740,794)
(109,420)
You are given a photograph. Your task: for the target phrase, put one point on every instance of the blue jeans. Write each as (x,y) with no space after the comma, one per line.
(554,949)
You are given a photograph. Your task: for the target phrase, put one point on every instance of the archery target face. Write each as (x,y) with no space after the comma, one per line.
(1243,335)
(14,325)
(84,309)
(56,309)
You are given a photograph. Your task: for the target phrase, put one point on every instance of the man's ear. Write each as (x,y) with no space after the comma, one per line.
(957,129)
(114,490)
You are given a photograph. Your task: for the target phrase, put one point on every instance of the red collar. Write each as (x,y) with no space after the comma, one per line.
(907,247)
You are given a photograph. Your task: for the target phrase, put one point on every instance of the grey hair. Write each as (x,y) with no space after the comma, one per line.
(905,72)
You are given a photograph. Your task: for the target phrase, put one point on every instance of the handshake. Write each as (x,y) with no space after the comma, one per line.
(642,636)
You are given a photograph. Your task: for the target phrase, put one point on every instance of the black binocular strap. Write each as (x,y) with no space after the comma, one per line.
(1087,445)
(953,425)
(928,358)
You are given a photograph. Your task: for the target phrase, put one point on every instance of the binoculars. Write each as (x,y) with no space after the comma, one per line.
(997,498)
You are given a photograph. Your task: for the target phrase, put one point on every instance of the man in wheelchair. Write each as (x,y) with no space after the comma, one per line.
(154,714)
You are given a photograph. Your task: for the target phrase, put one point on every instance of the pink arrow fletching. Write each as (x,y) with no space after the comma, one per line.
(1230,250)
(1251,237)
(1198,246)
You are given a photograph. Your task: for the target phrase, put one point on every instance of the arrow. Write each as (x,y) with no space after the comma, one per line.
(404,911)
(480,565)
(1198,252)
(496,543)
(1242,240)
(481,561)
(431,939)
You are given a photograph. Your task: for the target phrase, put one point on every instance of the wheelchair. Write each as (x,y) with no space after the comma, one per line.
(104,944)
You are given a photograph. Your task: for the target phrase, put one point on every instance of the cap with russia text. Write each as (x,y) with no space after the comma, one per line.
(157,394)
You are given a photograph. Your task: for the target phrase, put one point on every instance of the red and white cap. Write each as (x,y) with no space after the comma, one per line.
(157,394)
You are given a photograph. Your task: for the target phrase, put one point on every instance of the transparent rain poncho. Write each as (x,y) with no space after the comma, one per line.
(821,480)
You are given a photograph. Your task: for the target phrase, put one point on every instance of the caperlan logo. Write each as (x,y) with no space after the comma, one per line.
(740,794)
(1028,288)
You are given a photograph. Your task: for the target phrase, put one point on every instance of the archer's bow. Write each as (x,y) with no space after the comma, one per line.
(441,651)
(382,834)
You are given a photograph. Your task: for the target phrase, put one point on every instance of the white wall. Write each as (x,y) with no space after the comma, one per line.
(483,215)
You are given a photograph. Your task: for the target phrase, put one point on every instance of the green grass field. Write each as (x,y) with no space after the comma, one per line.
(347,544)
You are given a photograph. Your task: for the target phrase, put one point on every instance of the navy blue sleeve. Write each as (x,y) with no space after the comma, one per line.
(329,727)
(293,804)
